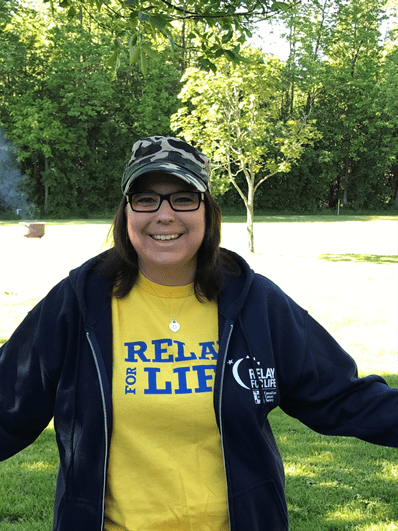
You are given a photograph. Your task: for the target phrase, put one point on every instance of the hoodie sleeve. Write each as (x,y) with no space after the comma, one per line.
(30,367)
(321,384)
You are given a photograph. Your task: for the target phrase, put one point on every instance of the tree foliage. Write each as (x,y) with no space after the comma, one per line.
(234,115)
(336,56)
(74,122)
(205,25)
(73,116)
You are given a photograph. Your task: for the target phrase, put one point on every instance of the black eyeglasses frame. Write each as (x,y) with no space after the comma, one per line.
(166,197)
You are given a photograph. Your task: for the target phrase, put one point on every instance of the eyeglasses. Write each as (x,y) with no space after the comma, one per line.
(179,201)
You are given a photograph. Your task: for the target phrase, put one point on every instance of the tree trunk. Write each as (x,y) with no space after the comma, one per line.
(347,163)
(46,187)
(345,197)
(394,172)
(183,48)
(250,217)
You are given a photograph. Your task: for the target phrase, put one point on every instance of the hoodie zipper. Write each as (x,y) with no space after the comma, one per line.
(105,425)
(220,417)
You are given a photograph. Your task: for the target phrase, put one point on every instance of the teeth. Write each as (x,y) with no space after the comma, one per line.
(163,237)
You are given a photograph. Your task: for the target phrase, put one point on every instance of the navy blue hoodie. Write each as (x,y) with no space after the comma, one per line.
(58,363)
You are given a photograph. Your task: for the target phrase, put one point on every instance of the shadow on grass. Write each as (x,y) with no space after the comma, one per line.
(294,218)
(99,221)
(368,258)
(336,483)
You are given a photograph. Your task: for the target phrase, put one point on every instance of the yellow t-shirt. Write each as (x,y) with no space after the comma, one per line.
(166,468)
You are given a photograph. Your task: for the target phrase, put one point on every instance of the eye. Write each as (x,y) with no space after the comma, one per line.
(184,198)
(145,199)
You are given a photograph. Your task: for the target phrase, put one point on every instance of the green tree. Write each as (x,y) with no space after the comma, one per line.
(52,119)
(137,24)
(388,115)
(73,120)
(336,60)
(234,115)
(355,56)
(157,101)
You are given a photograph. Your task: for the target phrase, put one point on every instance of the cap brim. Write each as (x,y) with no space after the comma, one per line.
(170,168)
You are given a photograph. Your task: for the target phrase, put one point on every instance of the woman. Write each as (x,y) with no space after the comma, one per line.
(160,361)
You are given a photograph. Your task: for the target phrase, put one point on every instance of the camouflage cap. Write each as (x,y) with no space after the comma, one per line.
(169,155)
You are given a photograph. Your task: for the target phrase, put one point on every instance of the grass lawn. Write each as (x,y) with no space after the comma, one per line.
(343,270)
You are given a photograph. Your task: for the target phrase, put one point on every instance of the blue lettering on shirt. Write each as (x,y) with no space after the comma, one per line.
(157,343)
(152,383)
(208,348)
(181,355)
(182,388)
(138,351)
(137,347)
(203,377)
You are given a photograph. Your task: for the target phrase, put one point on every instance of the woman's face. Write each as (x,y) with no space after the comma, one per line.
(166,261)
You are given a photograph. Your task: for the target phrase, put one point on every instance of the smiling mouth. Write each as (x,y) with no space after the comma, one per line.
(165,237)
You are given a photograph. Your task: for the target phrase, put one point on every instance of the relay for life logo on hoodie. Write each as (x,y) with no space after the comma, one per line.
(249,374)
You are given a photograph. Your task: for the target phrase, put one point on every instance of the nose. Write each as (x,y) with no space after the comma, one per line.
(165,214)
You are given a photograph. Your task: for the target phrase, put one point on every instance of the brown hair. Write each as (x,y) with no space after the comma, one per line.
(120,265)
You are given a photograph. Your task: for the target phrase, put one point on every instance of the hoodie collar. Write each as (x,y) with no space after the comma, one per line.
(235,290)
(92,290)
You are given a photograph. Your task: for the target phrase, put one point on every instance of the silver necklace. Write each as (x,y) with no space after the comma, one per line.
(174,324)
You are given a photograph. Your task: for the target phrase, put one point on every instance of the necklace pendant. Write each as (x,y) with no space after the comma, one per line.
(174,326)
